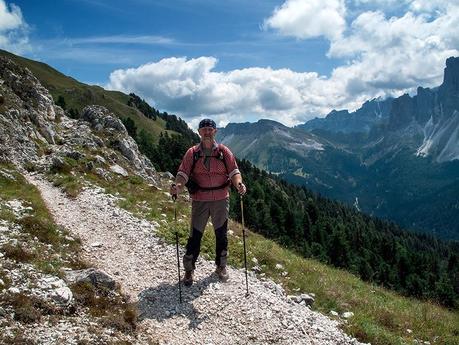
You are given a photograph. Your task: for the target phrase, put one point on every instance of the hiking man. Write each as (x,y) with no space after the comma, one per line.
(208,169)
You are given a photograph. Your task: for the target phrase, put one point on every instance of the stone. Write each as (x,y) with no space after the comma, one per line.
(119,170)
(62,295)
(308,299)
(168,175)
(91,275)
(14,290)
(347,315)
(74,155)
(100,160)
(57,163)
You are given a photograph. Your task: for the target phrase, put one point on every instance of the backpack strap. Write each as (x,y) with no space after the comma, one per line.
(220,156)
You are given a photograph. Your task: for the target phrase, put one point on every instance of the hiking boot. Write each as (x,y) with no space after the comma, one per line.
(222,273)
(188,278)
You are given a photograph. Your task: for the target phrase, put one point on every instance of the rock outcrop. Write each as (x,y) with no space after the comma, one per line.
(36,134)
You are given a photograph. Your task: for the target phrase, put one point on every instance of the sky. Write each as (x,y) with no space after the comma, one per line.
(240,60)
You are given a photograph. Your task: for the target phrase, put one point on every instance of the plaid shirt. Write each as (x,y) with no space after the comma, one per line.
(215,176)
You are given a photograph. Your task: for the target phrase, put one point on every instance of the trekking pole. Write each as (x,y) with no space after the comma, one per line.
(174,197)
(243,240)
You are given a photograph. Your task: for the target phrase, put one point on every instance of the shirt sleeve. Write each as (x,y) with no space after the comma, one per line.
(184,169)
(230,161)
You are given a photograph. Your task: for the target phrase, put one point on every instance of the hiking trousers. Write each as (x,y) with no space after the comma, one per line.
(200,212)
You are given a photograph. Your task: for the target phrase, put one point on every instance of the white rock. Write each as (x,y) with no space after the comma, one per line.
(348,314)
(62,295)
(279,267)
(14,290)
(96,245)
(119,170)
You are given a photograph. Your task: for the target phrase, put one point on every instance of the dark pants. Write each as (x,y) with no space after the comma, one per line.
(201,210)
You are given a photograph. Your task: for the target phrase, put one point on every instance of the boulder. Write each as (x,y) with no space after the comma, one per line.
(93,276)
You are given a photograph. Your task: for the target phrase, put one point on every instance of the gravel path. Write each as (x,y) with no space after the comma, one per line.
(212,312)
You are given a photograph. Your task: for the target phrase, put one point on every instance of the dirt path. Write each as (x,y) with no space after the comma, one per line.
(212,313)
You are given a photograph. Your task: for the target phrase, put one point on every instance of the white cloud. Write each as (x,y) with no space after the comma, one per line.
(121,39)
(384,56)
(397,54)
(13,29)
(387,56)
(431,5)
(192,88)
(308,19)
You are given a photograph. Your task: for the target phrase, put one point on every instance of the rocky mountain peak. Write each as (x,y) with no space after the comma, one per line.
(451,74)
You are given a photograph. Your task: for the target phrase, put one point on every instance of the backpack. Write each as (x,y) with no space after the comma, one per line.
(192,185)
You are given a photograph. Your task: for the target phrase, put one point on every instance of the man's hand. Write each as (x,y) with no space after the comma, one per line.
(174,191)
(241,189)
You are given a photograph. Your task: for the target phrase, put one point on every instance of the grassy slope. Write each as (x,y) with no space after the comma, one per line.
(77,95)
(381,316)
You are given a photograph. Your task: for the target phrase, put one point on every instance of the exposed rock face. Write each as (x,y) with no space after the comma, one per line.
(100,119)
(27,113)
(371,113)
(34,131)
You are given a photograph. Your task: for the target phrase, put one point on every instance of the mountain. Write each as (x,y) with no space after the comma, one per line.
(399,162)
(80,189)
(271,138)
(372,113)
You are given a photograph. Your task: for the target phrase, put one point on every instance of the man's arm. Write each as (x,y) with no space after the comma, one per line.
(183,173)
(237,183)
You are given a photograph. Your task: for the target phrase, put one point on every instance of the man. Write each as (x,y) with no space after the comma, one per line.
(209,169)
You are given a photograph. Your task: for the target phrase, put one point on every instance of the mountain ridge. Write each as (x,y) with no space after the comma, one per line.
(412,135)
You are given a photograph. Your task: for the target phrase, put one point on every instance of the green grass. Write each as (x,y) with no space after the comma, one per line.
(38,230)
(380,316)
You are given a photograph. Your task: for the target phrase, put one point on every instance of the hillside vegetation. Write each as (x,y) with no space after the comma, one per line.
(380,315)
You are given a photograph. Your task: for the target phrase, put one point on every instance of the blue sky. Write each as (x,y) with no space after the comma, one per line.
(240,60)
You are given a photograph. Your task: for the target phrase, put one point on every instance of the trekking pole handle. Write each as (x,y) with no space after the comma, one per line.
(174,196)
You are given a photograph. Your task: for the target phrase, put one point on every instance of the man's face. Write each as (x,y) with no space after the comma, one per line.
(207,134)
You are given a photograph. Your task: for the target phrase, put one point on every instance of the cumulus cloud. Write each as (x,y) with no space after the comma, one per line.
(387,55)
(13,28)
(308,19)
(383,56)
(396,54)
(192,88)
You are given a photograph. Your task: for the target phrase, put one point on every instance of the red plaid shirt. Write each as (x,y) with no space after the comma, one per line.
(215,176)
